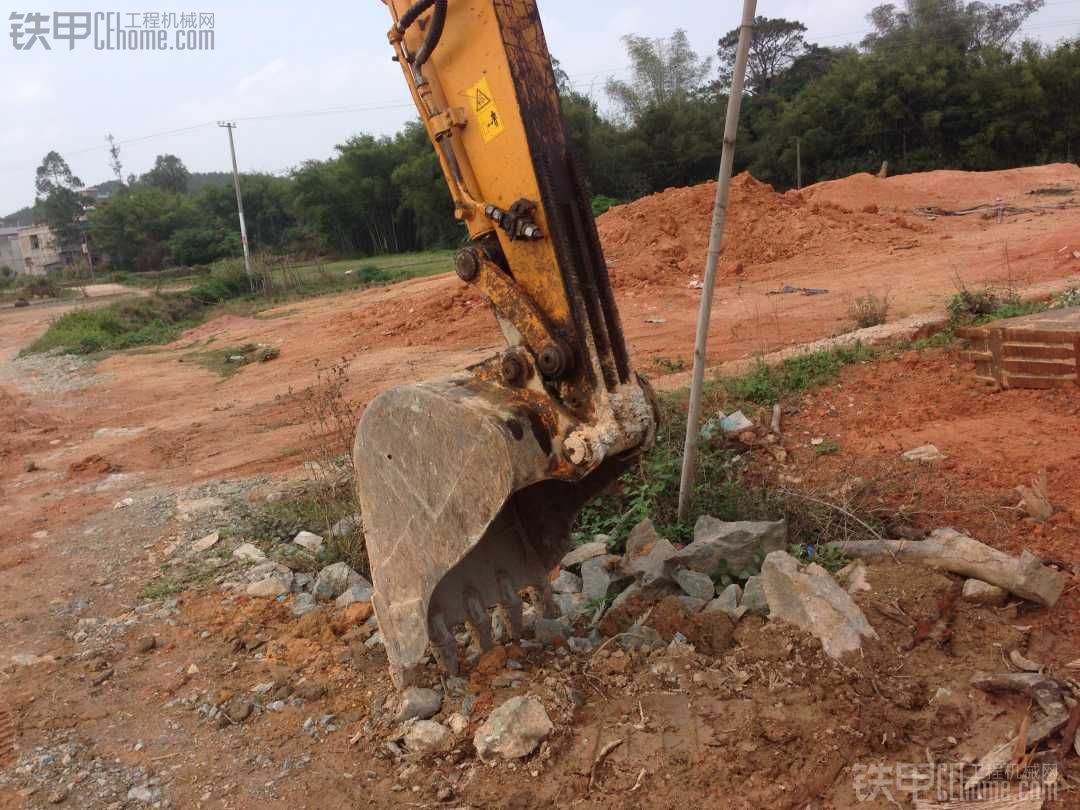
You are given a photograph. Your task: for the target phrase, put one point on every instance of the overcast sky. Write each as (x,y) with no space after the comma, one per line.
(309,75)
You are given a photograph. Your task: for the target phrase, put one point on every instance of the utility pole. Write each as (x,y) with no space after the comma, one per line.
(798,163)
(716,242)
(239,200)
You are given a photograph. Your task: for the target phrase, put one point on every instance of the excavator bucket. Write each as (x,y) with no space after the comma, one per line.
(469,486)
(459,515)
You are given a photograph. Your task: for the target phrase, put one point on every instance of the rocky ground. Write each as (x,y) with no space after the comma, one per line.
(159,651)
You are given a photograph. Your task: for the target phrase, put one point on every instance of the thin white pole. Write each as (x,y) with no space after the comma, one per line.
(716,243)
(239,199)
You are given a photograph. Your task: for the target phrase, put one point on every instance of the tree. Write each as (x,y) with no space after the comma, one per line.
(665,71)
(964,26)
(58,202)
(169,174)
(775,46)
(114,159)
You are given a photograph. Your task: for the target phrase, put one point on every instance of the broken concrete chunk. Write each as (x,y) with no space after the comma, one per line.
(728,602)
(600,579)
(736,548)
(695,584)
(513,730)
(271,587)
(309,541)
(754,599)
(428,737)
(583,553)
(927,454)
(566,582)
(646,554)
(418,704)
(983,593)
(356,593)
(814,602)
(335,579)
(249,553)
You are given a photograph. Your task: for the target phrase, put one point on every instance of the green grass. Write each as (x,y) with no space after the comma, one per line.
(651,488)
(162,317)
(228,360)
(827,448)
(766,384)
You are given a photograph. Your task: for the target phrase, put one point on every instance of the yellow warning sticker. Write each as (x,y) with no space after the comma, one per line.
(487,113)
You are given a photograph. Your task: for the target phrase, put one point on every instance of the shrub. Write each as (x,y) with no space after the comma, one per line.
(870,310)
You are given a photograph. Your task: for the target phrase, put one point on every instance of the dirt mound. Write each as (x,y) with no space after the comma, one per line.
(662,239)
(948,189)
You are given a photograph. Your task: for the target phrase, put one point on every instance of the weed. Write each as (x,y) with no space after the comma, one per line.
(227,361)
(869,310)
(669,364)
(331,418)
(162,588)
(827,448)
(827,557)
(766,384)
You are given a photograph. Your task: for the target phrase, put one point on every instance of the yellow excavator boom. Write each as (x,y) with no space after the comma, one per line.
(469,486)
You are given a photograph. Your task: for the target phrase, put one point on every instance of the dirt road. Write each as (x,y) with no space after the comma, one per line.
(98,460)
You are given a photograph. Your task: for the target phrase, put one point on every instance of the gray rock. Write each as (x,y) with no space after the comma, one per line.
(570,605)
(249,553)
(600,579)
(566,582)
(356,593)
(728,602)
(812,600)
(647,554)
(583,553)
(551,631)
(633,590)
(428,737)
(303,583)
(721,547)
(335,579)
(983,593)
(513,730)
(270,588)
(263,570)
(579,645)
(695,584)
(753,598)
(418,704)
(346,527)
(693,604)
(310,541)
(303,603)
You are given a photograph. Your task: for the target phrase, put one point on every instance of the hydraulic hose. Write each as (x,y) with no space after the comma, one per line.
(410,16)
(434,34)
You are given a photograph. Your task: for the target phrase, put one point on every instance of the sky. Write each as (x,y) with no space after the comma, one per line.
(299,78)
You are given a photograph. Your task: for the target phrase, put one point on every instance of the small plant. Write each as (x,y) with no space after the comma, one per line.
(827,557)
(869,310)
(827,448)
(669,364)
(1069,298)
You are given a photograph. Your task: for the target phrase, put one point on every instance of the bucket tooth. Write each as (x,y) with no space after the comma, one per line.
(478,621)
(463,510)
(510,606)
(443,645)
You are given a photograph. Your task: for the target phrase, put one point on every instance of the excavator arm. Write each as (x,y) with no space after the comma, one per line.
(469,486)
